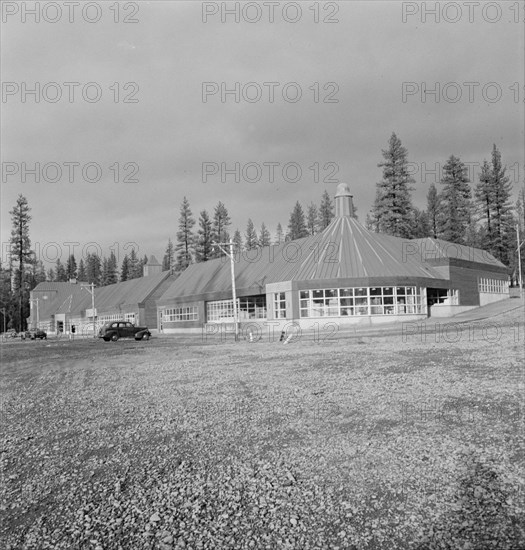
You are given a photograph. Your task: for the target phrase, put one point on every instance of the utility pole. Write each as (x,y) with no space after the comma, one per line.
(234,294)
(91,289)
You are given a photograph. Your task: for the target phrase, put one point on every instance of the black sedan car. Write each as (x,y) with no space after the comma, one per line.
(122,329)
(37,333)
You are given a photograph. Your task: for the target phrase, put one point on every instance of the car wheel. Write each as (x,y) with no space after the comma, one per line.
(105,339)
(114,337)
(145,336)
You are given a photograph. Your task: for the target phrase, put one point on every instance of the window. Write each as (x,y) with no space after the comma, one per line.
(493,286)
(279,305)
(340,302)
(180,314)
(248,307)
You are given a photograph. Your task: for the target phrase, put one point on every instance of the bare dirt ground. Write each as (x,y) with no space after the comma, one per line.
(405,439)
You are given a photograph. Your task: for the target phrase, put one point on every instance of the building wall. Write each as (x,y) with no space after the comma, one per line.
(466,280)
(150,316)
(174,326)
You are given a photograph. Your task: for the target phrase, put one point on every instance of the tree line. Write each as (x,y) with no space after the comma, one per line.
(478,214)
(196,239)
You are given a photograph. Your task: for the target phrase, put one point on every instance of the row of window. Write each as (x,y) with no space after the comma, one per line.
(495,286)
(248,307)
(337,302)
(177,314)
(129,317)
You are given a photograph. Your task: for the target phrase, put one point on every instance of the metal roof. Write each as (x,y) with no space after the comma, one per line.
(67,297)
(344,250)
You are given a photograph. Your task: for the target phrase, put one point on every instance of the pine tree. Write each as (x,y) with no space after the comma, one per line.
(483,198)
(168,262)
(501,209)
(297,225)
(94,269)
(185,236)
(221,222)
(250,237)
(420,225)
(312,218)
(20,252)
(39,273)
(105,269)
(203,247)
(133,265)
(60,272)
(433,211)
(326,211)
(51,277)
(82,271)
(124,269)
(71,267)
(265,238)
(392,209)
(112,276)
(455,202)
(237,241)
(279,234)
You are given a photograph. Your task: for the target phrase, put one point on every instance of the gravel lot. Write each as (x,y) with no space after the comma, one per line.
(350,442)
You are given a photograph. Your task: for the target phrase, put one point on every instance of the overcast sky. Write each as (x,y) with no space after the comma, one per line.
(362,61)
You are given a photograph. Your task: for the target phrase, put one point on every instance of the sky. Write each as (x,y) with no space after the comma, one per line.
(136,105)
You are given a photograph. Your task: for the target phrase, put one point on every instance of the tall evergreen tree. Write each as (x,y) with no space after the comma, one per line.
(82,276)
(326,211)
(312,218)
(483,200)
(21,255)
(94,269)
(133,265)
(250,237)
(455,202)
(60,272)
(392,209)
(71,267)
(124,269)
(168,262)
(279,234)
(50,276)
(433,211)
(185,237)
(503,231)
(265,238)
(297,225)
(237,241)
(203,247)
(420,225)
(221,222)
(105,269)
(112,275)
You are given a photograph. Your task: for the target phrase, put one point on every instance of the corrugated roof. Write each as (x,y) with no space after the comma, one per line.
(70,298)
(435,249)
(344,250)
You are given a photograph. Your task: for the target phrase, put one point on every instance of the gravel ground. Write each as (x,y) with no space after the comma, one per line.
(352,442)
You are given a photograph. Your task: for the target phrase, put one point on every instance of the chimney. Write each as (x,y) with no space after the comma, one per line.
(344,204)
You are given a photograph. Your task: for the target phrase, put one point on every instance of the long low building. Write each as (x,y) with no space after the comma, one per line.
(58,306)
(345,274)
